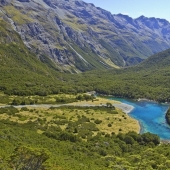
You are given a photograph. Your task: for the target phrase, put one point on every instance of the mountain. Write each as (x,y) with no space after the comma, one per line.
(78,36)
(22,73)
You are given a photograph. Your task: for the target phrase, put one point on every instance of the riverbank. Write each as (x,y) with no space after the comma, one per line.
(99,101)
(151,116)
(122,121)
(124,107)
(130,124)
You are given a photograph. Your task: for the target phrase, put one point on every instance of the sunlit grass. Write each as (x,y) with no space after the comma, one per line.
(17,16)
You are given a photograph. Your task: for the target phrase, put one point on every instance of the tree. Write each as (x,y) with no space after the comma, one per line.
(79,97)
(109,105)
(129,140)
(15,102)
(26,158)
(148,137)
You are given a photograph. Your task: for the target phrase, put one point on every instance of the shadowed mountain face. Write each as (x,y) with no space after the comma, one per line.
(79,36)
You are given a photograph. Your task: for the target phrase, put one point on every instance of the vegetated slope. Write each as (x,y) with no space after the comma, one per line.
(21,71)
(149,79)
(38,134)
(158,61)
(79,36)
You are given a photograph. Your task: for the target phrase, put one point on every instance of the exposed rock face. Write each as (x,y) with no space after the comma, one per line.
(4,2)
(78,34)
(24,0)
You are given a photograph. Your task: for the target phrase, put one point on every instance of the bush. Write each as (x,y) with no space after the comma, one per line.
(149,137)
(64,136)
(16,102)
(129,140)
(97,121)
(83,119)
(102,152)
(109,125)
(24,109)
(9,110)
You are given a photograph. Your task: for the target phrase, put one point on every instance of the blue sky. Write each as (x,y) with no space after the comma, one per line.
(136,8)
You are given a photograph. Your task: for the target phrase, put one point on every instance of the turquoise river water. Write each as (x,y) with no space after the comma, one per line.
(151,117)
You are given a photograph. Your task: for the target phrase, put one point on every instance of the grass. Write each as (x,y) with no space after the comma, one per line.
(110,63)
(4,99)
(74,23)
(111,120)
(48,117)
(93,60)
(59,47)
(17,16)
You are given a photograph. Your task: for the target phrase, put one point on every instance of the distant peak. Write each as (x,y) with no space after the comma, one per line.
(123,15)
(24,0)
(141,17)
(126,17)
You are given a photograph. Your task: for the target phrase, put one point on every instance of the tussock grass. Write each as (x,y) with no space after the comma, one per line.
(17,16)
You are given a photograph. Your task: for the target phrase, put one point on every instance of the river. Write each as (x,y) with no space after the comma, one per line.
(151,117)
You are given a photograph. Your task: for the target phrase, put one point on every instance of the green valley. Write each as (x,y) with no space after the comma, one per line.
(60,62)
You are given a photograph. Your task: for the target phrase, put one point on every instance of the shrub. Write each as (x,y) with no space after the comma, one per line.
(24,109)
(109,125)
(9,110)
(97,121)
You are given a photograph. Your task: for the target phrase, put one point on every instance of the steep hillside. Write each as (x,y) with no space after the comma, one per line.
(79,36)
(157,62)
(21,72)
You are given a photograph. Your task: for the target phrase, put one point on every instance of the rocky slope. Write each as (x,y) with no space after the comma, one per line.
(21,73)
(78,36)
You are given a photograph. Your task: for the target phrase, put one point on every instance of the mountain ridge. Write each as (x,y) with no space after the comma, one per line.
(79,36)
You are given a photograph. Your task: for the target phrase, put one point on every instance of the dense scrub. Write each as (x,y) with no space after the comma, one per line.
(58,142)
(167,116)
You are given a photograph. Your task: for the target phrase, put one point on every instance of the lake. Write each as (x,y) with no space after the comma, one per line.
(151,117)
